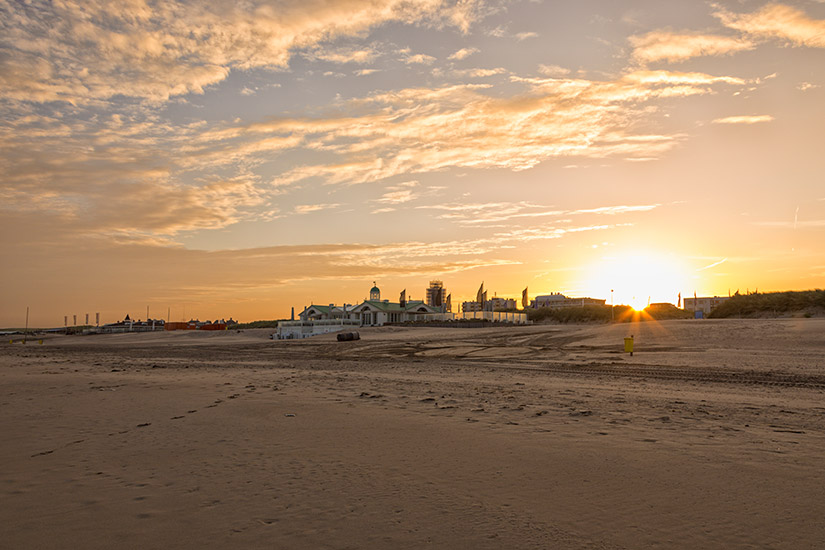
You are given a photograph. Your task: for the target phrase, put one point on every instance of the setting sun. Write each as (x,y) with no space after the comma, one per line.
(637,279)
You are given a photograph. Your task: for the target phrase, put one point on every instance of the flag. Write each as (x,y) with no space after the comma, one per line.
(679,302)
(449,302)
(524,300)
(403,298)
(479,294)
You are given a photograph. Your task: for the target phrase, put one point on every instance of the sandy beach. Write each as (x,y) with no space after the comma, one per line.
(712,435)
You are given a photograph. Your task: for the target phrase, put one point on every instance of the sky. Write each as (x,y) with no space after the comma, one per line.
(217,159)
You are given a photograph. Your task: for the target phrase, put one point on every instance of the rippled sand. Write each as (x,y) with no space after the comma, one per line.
(711,436)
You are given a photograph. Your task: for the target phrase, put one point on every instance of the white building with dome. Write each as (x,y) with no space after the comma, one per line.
(376,312)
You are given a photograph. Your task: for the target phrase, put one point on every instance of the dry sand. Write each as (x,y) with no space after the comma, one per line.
(711,436)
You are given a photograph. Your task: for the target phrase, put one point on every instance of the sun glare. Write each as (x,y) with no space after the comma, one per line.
(637,279)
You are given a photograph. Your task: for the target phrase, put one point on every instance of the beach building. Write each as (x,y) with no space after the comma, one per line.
(493,304)
(322,313)
(130,325)
(496,310)
(704,304)
(557,300)
(376,312)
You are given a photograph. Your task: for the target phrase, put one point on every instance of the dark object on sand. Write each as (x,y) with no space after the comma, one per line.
(348,336)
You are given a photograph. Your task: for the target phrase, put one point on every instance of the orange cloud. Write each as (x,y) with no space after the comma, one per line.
(744,119)
(670,46)
(424,130)
(778,21)
(80,52)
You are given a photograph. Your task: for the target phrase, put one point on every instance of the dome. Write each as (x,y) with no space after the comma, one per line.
(375,289)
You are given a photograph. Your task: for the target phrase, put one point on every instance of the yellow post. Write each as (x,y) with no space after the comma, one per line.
(628,345)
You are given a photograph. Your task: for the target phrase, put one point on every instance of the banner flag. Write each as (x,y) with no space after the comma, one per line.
(524,300)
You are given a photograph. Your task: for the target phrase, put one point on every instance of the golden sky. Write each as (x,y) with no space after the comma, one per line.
(238,159)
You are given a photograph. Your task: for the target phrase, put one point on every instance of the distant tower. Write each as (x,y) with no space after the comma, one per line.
(292,318)
(375,293)
(436,294)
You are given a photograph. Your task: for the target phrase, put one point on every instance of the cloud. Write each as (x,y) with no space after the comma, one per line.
(419,130)
(499,212)
(773,21)
(793,224)
(307,208)
(805,86)
(777,21)
(673,47)
(419,59)
(463,53)
(714,264)
(81,52)
(399,194)
(744,119)
(343,55)
(553,71)
(613,210)
(478,73)
(526,35)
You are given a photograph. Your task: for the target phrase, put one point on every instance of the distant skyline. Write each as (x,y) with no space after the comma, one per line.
(241,159)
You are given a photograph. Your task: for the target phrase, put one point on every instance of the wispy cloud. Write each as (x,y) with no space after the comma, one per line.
(496,213)
(49,165)
(553,71)
(670,46)
(466,128)
(478,73)
(714,264)
(80,52)
(419,59)
(773,21)
(398,194)
(777,21)
(344,54)
(744,119)
(794,224)
(463,53)
(307,208)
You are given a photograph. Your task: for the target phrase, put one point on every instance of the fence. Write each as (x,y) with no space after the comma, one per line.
(290,330)
(496,316)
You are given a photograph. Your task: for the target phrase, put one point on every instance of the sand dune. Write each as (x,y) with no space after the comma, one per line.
(710,436)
